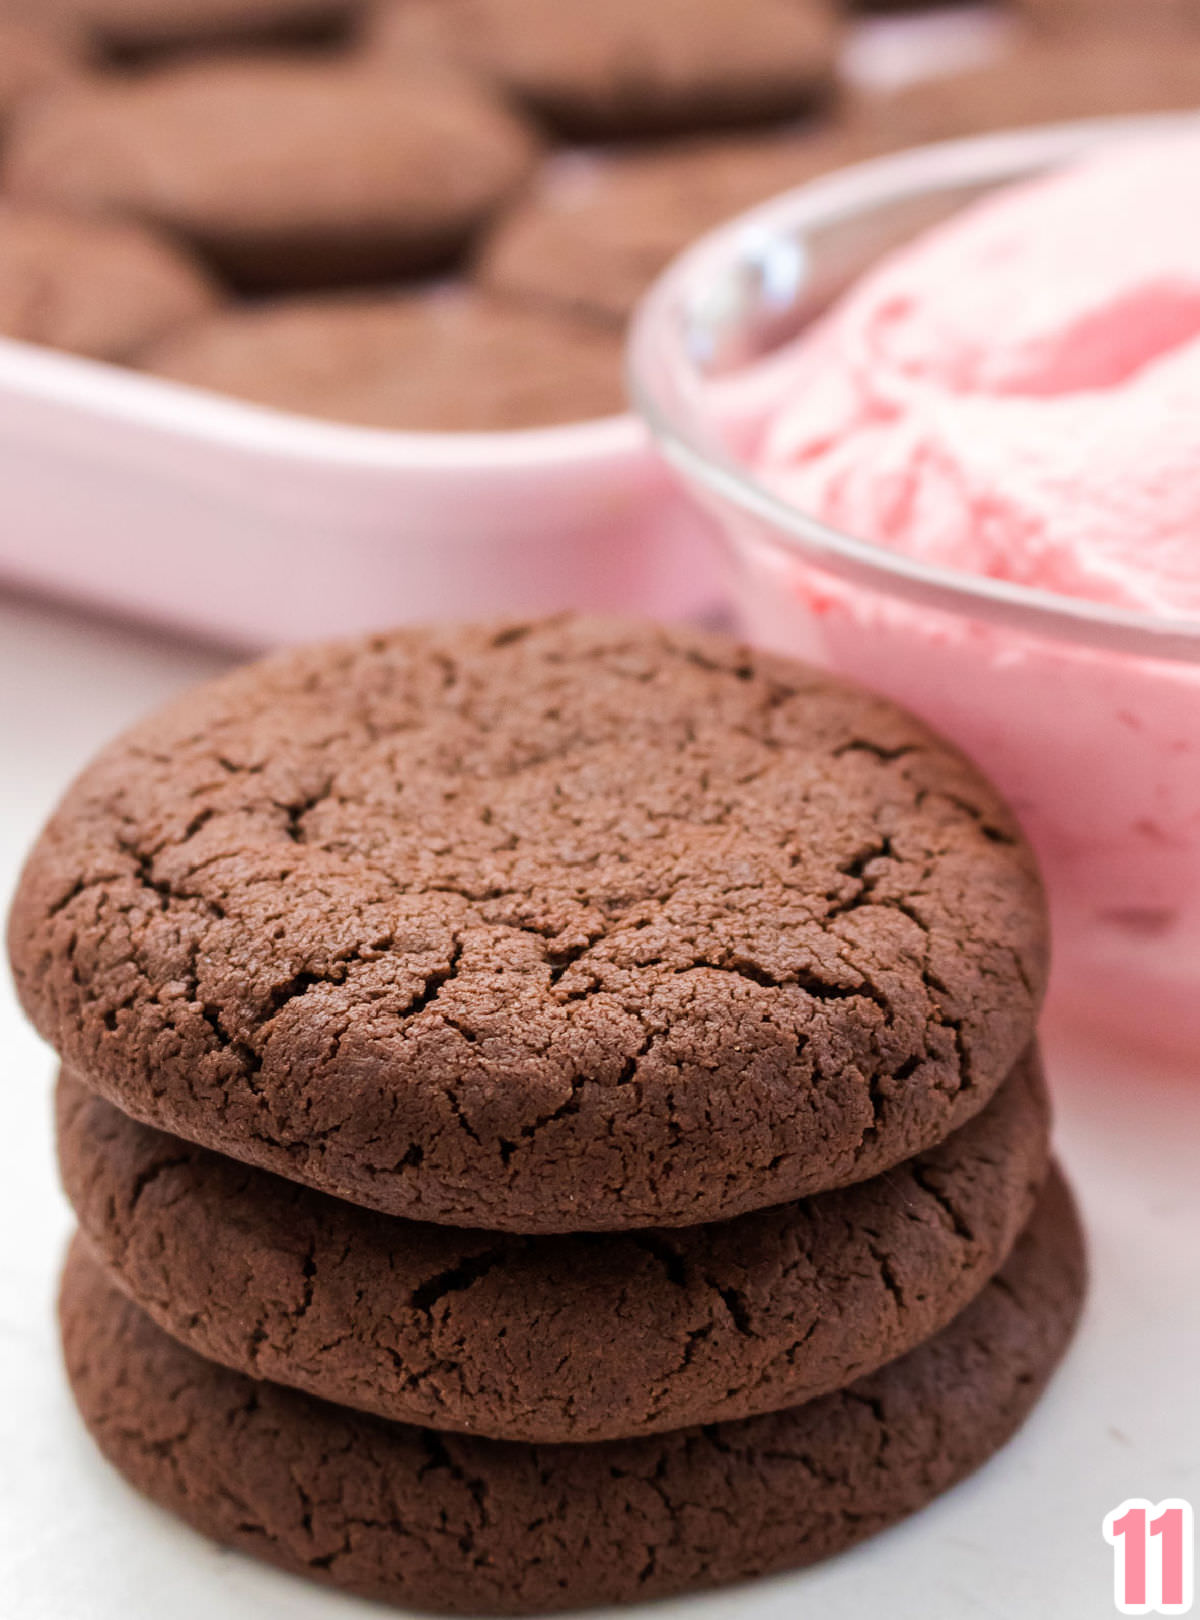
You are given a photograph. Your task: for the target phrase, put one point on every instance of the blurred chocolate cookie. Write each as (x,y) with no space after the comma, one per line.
(31,59)
(627,66)
(138,25)
(98,288)
(284,173)
(595,232)
(1039,82)
(1141,17)
(449,360)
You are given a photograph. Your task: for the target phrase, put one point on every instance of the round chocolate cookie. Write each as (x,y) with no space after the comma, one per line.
(140,25)
(550,926)
(581,1337)
(1043,81)
(1139,18)
(451,360)
(285,173)
(100,288)
(626,67)
(31,60)
(459,1523)
(593,233)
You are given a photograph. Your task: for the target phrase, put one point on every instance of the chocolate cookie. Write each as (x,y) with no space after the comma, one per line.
(285,173)
(1139,17)
(551,926)
(594,233)
(1041,82)
(31,59)
(464,1524)
(95,287)
(626,67)
(139,25)
(550,1339)
(451,360)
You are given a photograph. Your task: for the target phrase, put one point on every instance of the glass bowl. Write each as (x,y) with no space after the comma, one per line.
(1087,717)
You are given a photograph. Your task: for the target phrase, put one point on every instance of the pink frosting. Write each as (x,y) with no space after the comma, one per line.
(1018,393)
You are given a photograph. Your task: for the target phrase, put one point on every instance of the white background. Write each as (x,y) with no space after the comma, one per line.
(1020,1541)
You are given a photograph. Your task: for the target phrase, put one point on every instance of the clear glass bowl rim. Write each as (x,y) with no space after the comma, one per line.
(850,192)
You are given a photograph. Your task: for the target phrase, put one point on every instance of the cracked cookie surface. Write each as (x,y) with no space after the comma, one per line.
(458,1523)
(579,1337)
(571,925)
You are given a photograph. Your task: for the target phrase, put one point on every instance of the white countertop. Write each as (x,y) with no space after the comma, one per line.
(1020,1541)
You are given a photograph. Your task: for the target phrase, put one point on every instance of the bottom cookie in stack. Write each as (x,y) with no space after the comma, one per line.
(460,1523)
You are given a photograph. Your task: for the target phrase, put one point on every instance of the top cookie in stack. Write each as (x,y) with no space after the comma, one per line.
(575,925)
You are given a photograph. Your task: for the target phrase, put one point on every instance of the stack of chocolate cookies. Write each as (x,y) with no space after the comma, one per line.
(552,1112)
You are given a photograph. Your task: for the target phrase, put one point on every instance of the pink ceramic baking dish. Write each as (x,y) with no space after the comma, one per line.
(257,527)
